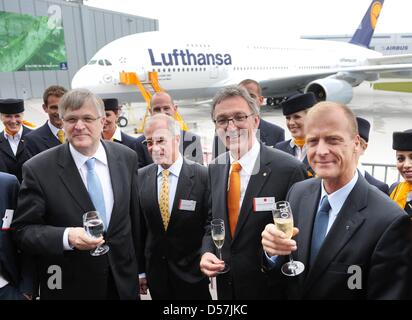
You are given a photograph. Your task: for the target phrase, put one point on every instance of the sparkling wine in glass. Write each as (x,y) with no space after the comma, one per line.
(283,219)
(93,224)
(218,236)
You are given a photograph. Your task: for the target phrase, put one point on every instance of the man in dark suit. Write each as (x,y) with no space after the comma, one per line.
(12,146)
(190,143)
(15,283)
(174,208)
(354,241)
(364,127)
(50,134)
(244,184)
(295,109)
(110,129)
(59,186)
(268,133)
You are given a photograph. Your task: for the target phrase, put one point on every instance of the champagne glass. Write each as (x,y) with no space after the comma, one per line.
(218,236)
(93,224)
(283,219)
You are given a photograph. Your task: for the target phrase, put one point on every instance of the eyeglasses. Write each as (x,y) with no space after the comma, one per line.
(237,119)
(159,141)
(86,119)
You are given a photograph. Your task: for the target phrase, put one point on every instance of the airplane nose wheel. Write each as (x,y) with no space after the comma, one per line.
(122,122)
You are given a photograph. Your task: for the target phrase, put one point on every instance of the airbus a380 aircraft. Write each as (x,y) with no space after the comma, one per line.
(197,69)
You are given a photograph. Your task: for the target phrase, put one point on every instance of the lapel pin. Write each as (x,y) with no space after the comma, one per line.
(264,174)
(347,227)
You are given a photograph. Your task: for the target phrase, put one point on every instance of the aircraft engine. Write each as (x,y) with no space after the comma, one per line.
(331,90)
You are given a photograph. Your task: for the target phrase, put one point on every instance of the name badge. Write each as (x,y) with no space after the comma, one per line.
(8,218)
(263,204)
(188,205)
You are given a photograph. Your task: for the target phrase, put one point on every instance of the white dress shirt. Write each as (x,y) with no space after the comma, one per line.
(247,161)
(300,153)
(337,199)
(102,171)
(117,134)
(3,282)
(174,173)
(54,129)
(14,140)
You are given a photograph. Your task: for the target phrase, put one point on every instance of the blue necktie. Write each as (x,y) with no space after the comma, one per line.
(319,228)
(94,187)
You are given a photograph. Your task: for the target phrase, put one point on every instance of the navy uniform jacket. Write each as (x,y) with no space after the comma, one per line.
(40,140)
(14,163)
(190,148)
(285,147)
(10,262)
(269,134)
(382,186)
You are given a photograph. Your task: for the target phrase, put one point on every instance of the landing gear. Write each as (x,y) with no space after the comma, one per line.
(274,101)
(122,121)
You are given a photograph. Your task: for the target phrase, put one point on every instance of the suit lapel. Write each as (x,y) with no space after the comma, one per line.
(115,168)
(345,226)
(309,205)
(5,146)
(71,178)
(20,147)
(183,190)
(255,184)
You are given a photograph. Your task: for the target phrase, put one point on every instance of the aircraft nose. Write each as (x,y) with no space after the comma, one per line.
(84,78)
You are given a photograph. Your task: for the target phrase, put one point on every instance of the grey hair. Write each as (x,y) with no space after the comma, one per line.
(232,92)
(172,125)
(75,99)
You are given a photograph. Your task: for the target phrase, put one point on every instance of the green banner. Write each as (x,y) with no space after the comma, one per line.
(29,43)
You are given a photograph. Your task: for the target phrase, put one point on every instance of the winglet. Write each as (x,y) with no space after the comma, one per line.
(363,34)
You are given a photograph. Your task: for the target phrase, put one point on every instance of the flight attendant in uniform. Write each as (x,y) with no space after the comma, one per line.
(12,148)
(401,192)
(295,109)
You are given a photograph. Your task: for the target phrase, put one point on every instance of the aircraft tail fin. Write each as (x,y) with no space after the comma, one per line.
(364,32)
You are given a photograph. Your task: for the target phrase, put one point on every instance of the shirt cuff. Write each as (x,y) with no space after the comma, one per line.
(66,245)
(142,275)
(271,260)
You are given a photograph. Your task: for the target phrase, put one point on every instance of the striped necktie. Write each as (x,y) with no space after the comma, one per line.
(164,199)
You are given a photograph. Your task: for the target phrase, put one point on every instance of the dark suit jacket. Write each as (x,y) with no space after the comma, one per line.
(190,148)
(40,139)
(13,163)
(14,267)
(276,173)
(370,231)
(269,135)
(382,186)
(53,197)
(285,147)
(172,258)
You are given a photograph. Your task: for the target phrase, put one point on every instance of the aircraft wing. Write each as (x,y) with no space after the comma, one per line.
(284,85)
(400,58)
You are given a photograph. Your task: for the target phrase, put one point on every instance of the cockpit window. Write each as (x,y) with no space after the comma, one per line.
(92,62)
(108,63)
(101,62)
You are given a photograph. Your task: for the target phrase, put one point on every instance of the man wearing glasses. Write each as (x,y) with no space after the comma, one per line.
(244,182)
(63,183)
(173,205)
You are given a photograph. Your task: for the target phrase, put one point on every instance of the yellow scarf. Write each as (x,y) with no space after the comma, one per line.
(399,195)
(29,124)
(299,142)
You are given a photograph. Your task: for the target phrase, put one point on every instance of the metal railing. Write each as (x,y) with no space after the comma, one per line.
(387,173)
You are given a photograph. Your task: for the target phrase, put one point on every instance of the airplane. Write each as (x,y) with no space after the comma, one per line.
(197,68)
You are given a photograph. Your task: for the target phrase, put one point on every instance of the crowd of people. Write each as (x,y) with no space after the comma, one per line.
(153,200)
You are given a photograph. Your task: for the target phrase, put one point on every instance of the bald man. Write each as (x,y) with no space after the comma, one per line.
(190,144)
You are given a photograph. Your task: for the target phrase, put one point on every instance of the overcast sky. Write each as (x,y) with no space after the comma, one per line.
(265,18)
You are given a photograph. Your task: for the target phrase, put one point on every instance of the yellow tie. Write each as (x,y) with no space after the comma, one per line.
(233,196)
(60,135)
(299,142)
(164,198)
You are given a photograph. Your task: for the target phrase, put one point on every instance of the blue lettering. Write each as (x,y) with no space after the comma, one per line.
(184,57)
(152,59)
